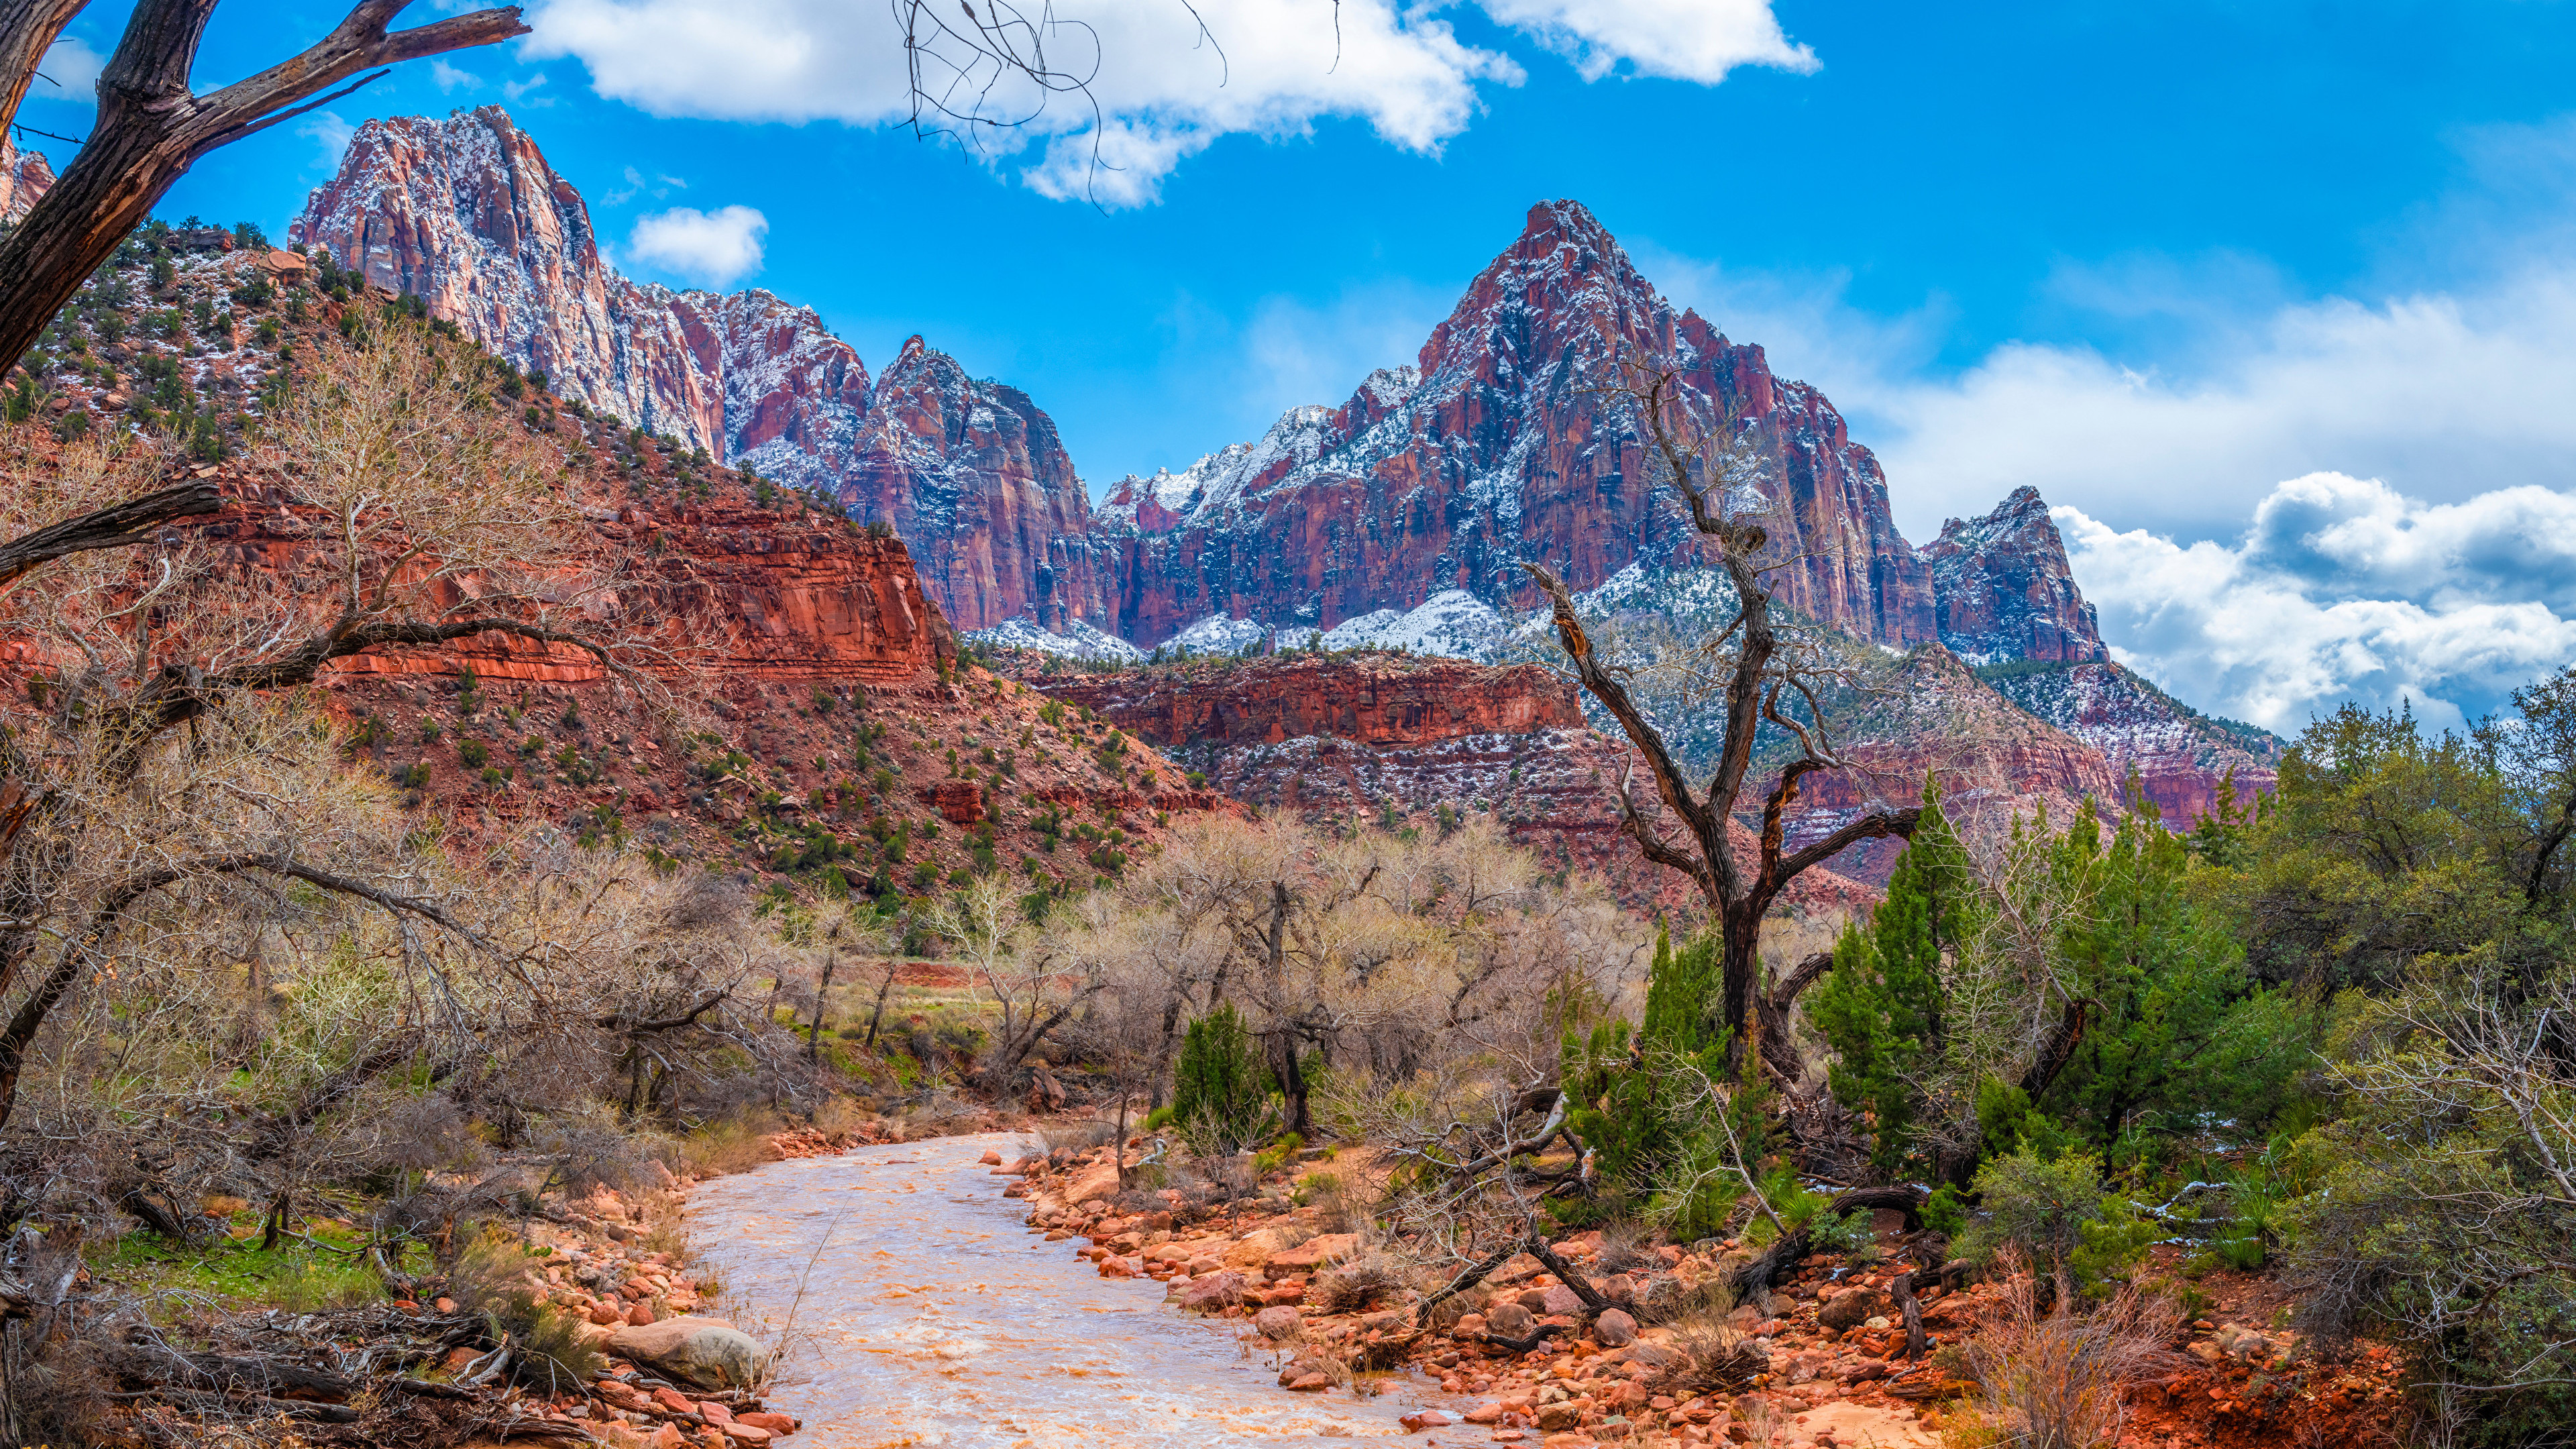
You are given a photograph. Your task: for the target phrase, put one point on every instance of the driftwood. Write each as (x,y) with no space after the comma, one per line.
(1753,1281)
(1536,1337)
(1902,1290)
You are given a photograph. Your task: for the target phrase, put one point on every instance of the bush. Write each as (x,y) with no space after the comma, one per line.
(2059,1380)
(547,1351)
(2057,1214)
(1220,1090)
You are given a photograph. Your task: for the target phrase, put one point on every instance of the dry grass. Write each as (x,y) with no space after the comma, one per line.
(1711,1357)
(2060,1381)
(1365,1281)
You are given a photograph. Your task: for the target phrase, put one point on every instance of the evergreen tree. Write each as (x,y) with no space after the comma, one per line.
(1220,1088)
(1880,1008)
(1624,1107)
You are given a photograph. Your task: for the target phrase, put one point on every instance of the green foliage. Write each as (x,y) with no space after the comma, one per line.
(1881,1007)
(2056,1211)
(1220,1089)
(2382,846)
(1640,1095)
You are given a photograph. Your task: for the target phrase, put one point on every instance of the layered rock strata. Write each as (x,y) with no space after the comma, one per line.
(1509,439)
(466,214)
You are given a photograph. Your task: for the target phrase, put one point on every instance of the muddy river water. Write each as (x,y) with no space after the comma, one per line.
(932,1315)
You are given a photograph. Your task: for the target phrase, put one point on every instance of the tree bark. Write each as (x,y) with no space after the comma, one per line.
(151,127)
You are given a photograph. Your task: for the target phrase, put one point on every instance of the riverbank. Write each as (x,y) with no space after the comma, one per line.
(1821,1362)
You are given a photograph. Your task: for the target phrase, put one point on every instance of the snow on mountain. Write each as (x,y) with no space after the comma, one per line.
(1078,641)
(1452,624)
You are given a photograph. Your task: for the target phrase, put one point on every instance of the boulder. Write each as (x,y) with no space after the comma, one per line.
(1207,1295)
(1277,1322)
(1560,1300)
(1510,1320)
(1847,1311)
(1614,1329)
(708,1352)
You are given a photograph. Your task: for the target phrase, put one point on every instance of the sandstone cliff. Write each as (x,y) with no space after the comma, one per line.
(1499,445)
(2002,589)
(973,475)
(466,214)
(1341,737)
(2180,755)
(25,177)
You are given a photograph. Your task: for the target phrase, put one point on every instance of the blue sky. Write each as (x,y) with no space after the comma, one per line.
(2201,272)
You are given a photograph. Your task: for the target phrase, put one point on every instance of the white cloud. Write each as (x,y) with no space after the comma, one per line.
(330,136)
(517,90)
(1693,40)
(450,78)
(713,248)
(73,68)
(2343,589)
(1165,87)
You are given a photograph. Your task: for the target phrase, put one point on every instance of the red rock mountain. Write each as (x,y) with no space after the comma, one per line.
(2003,590)
(25,177)
(1499,445)
(466,214)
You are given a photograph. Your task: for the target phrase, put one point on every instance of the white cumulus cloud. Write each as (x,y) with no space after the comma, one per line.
(1693,40)
(709,247)
(73,68)
(1141,84)
(2342,589)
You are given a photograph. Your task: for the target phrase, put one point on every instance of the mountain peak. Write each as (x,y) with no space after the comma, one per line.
(2003,588)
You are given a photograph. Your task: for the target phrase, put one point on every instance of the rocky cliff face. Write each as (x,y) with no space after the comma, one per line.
(466,214)
(2180,755)
(25,177)
(1369,699)
(2002,590)
(1499,446)
(1341,737)
(973,474)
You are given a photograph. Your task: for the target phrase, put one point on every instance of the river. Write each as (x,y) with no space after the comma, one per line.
(932,1315)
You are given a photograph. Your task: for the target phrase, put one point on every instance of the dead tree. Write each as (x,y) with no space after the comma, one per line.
(152,126)
(1765,678)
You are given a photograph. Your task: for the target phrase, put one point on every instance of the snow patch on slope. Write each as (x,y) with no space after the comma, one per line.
(1078,641)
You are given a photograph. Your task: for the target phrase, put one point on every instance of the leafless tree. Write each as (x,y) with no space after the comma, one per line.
(1762,670)
(147,765)
(152,125)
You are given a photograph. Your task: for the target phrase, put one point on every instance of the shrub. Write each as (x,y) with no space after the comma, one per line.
(2059,1380)
(2057,1213)
(1220,1088)
(548,1353)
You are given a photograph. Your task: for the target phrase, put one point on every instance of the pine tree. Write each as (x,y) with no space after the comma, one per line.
(1624,1108)
(1220,1087)
(1880,1009)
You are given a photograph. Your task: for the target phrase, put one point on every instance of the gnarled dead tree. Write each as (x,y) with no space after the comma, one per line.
(1763,673)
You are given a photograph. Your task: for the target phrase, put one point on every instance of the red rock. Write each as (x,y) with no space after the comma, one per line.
(775,1423)
(25,177)
(990,1158)
(1338,512)
(1422,1419)
(1314,1383)
(713,1412)
(2003,589)
(466,214)
(640,1315)
(675,1401)
(1207,1295)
